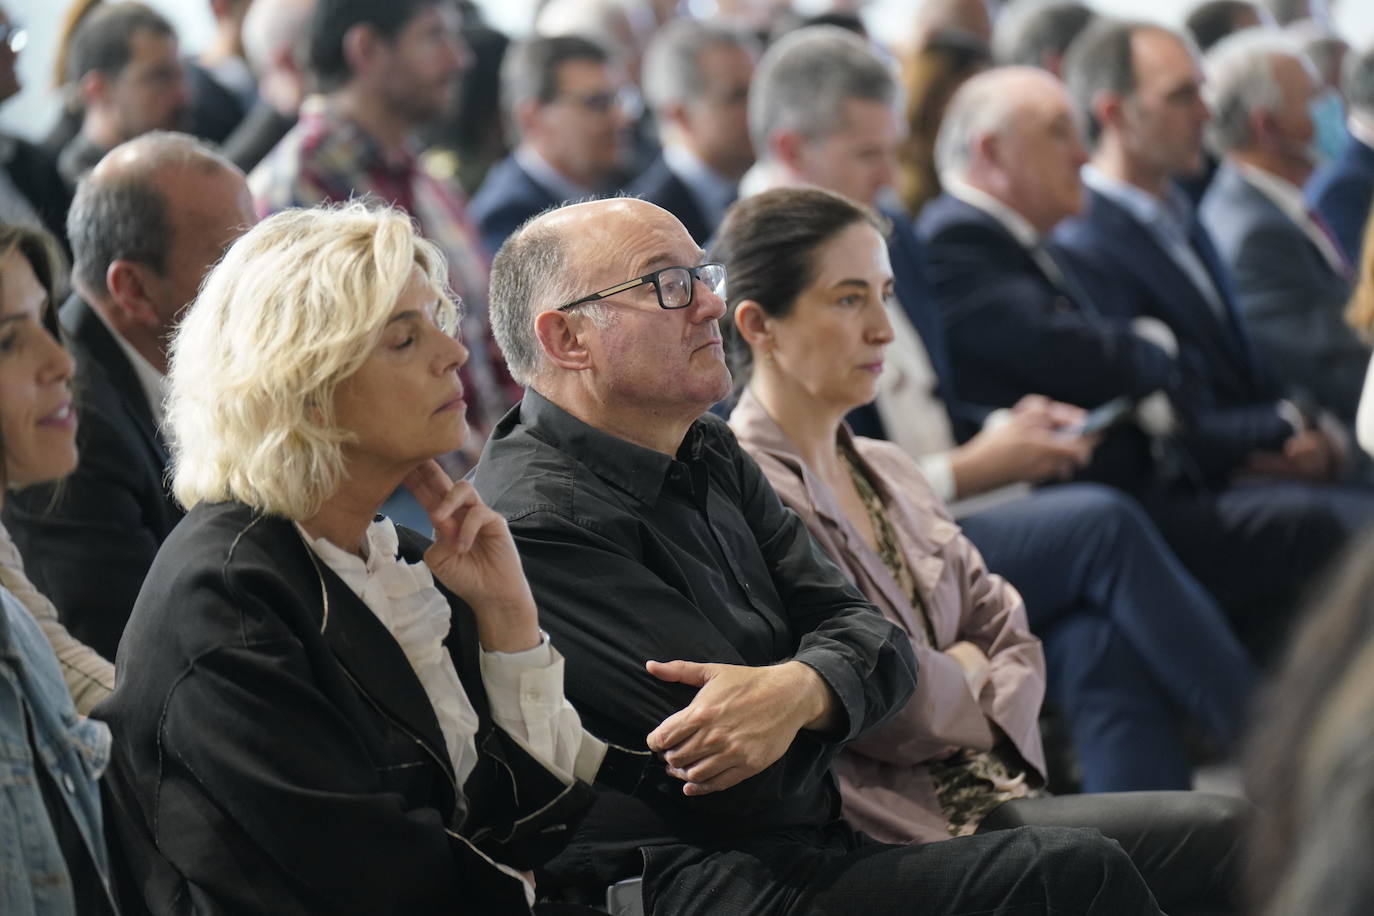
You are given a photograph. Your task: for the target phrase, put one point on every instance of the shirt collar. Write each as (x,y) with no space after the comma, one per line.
(764,175)
(1284,194)
(632,468)
(1361,129)
(1019,227)
(153,383)
(548,177)
(712,189)
(1171,213)
(758,432)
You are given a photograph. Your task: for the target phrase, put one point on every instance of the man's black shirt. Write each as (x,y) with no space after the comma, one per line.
(633,555)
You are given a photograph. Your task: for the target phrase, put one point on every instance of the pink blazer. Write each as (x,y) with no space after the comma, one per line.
(887,790)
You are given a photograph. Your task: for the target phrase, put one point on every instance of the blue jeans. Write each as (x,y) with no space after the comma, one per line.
(1131,639)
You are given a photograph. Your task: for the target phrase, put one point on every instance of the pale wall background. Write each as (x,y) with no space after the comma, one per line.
(34,109)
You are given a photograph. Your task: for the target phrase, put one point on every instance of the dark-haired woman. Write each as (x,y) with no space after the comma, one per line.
(52,852)
(807,326)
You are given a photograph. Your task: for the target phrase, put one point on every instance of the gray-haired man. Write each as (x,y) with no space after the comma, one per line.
(1292,280)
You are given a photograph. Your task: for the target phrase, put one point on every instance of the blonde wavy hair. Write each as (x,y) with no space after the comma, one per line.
(294,308)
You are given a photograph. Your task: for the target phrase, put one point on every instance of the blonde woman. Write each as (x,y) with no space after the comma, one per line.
(315,711)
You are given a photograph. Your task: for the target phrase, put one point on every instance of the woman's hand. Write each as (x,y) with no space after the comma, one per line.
(474,556)
(977,667)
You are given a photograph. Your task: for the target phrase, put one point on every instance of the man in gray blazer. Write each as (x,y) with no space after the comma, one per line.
(1292,278)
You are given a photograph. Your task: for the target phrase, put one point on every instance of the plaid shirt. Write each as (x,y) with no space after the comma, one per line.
(326,158)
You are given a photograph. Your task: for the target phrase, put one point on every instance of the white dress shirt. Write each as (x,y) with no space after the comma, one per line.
(153,382)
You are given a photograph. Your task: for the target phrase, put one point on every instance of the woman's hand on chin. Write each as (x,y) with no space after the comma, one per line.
(474,556)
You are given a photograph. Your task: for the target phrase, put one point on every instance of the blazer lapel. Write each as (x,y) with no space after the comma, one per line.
(370,654)
(98,344)
(1182,300)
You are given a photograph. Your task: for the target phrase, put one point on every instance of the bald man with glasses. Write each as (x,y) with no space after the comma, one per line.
(697,617)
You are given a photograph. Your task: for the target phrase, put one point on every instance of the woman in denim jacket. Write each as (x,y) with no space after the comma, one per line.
(52,853)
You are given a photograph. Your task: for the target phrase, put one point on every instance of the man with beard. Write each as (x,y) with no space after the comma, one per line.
(124,64)
(385,68)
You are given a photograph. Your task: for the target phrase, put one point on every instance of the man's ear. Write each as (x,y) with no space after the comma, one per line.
(675,113)
(128,283)
(525,117)
(752,323)
(788,147)
(988,148)
(361,44)
(92,88)
(1263,126)
(559,337)
(1109,109)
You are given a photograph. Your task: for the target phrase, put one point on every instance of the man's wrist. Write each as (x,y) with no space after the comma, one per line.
(816,700)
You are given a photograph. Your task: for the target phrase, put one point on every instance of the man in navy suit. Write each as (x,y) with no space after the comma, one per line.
(1292,281)
(146,225)
(565,100)
(1261,469)
(1341,190)
(1014,310)
(696,81)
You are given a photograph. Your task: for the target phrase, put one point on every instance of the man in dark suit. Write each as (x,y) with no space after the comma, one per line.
(1341,190)
(696,81)
(565,100)
(1262,469)
(123,61)
(146,225)
(1292,281)
(1015,314)
(31,190)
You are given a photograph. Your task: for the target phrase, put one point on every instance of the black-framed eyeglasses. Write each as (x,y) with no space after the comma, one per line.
(673,285)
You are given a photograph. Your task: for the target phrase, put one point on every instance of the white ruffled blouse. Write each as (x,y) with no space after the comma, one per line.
(525,689)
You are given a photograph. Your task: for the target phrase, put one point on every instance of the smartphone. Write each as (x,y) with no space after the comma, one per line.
(1100,418)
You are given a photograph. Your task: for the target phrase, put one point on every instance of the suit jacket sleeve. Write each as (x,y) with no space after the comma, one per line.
(1219,436)
(1007,323)
(1295,321)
